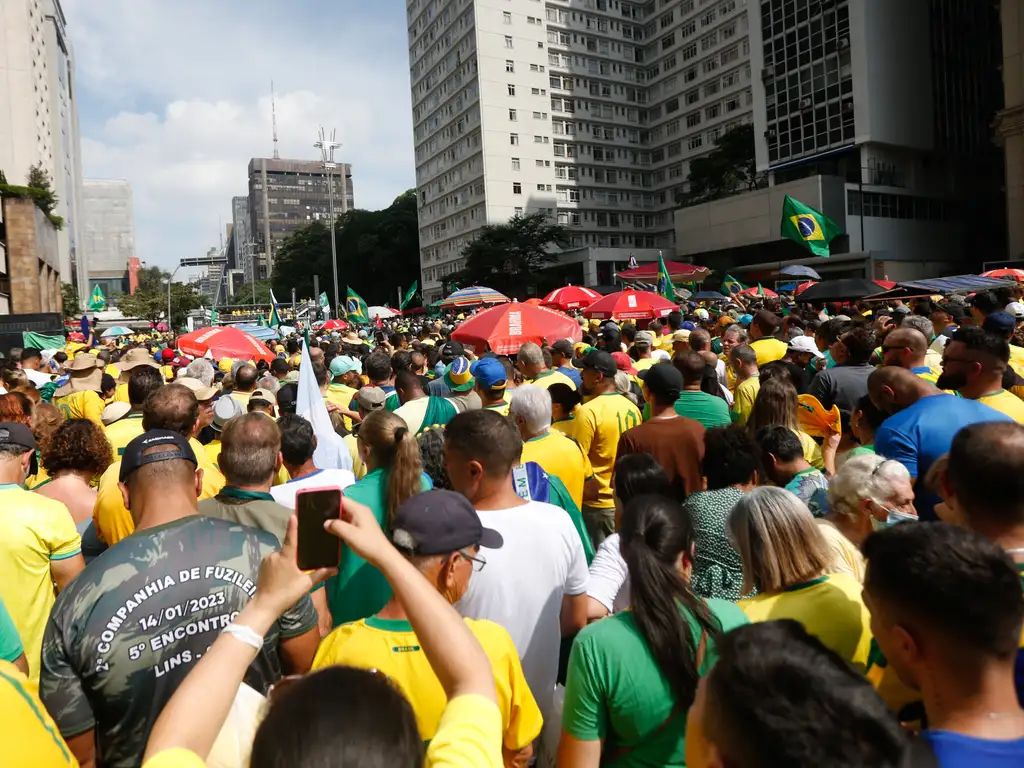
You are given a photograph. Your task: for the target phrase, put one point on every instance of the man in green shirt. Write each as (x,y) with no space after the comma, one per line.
(710,410)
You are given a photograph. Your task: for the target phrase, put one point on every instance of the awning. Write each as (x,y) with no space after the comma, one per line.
(943,285)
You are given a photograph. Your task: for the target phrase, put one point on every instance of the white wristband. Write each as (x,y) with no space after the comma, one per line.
(245,635)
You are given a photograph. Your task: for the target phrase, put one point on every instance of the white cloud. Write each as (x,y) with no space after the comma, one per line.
(175,98)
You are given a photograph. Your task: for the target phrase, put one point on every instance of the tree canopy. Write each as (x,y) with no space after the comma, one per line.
(378,252)
(728,169)
(150,299)
(507,257)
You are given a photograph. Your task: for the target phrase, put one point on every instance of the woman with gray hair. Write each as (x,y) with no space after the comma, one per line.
(787,559)
(201,369)
(868,493)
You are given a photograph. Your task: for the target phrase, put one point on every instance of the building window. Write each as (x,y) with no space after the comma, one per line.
(512,115)
(696,142)
(517,188)
(507,17)
(693,119)
(508,41)
(510,66)
(518,211)
(511,89)
(513,139)
(713,111)
(668,41)
(515,163)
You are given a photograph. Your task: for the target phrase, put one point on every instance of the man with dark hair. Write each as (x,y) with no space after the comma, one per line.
(448,352)
(420,410)
(743,361)
(777,696)
(142,382)
(279,368)
(946,611)
(675,320)
(677,442)
(123,637)
(561,361)
(921,425)
(31,364)
(783,458)
(377,368)
(847,382)
(298,443)
(172,407)
(983,304)
(245,383)
(973,364)
(481,451)
(694,403)
(763,341)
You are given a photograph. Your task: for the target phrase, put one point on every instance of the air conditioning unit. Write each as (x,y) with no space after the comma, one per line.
(768,73)
(805,104)
(844,43)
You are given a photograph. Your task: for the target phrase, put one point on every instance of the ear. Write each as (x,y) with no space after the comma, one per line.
(278,462)
(199,482)
(476,469)
(124,495)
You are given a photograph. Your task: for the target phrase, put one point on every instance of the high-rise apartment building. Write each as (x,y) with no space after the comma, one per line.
(39,117)
(108,233)
(285,195)
(241,236)
(589,111)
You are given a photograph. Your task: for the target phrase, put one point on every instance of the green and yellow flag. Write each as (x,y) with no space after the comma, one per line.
(665,287)
(275,318)
(410,295)
(807,227)
(731,285)
(97,301)
(355,307)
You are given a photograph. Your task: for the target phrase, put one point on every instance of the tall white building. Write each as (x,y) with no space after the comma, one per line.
(589,111)
(108,234)
(39,116)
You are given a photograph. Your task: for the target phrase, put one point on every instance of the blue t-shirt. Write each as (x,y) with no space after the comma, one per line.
(957,751)
(921,433)
(574,374)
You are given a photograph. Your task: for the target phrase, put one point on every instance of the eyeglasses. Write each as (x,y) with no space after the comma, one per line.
(478,562)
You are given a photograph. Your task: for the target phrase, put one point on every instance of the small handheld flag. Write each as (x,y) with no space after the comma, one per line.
(807,227)
(275,318)
(665,287)
(410,295)
(355,307)
(97,302)
(325,305)
(732,285)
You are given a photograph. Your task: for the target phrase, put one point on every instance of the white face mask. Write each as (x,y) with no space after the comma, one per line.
(893,518)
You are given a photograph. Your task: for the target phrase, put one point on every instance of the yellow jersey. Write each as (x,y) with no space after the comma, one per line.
(566,426)
(547,378)
(114,522)
(561,456)
(502,407)
(391,647)
(82,405)
(121,394)
(358,468)
(599,425)
(1004,402)
(341,395)
(123,431)
(644,363)
(34,531)
(213,451)
(743,402)
(29,734)
(830,607)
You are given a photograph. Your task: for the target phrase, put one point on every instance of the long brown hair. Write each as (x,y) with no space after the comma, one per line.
(775,405)
(394,449)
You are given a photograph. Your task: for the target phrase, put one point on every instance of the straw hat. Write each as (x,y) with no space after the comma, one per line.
(113,412)
(133,360)
(86,376)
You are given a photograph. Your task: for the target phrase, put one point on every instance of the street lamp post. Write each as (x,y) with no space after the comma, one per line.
(327,147)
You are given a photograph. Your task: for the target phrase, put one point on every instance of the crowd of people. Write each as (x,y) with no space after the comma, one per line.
(744,536)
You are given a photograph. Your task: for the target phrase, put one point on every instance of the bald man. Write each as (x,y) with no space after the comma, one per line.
(907,348)
(921,426)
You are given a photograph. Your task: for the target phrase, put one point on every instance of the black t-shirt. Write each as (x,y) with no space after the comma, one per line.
(126,632)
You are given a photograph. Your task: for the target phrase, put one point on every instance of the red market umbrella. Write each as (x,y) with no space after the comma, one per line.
(507,327)
(890,284)
(334,325)
(803,287)
(757,291)
(630,305)
(224,341)
(1010,274)
(533,302)
(680,272)
(571,297)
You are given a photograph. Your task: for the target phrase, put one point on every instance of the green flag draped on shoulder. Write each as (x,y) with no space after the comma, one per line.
(807,227)
(410,295)
(665,287)
(355,308)
(97,301)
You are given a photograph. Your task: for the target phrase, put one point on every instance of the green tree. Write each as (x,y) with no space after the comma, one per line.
(730,168)
(378,253)
(69,299)
(243,295)
(150,299)
(46,199)
(507,257)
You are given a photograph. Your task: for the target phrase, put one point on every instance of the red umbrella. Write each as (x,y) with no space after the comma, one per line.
(630,305)
(1011,274)
(803,287)
(759,291)
(506,327)
(677,270)
(224,341)
(334,325)
(533,302)
(571,297)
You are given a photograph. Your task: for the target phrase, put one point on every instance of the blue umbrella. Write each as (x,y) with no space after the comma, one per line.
(800,271)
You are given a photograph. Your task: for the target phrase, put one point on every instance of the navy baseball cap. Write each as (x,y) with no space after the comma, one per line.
(175,446)
(1002,323)
(439,523)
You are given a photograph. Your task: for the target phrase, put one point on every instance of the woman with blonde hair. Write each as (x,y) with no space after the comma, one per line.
(776,405)
(394,473)
(787,559)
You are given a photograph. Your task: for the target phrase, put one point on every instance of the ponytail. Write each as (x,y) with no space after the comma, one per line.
(395,450)
(654,532)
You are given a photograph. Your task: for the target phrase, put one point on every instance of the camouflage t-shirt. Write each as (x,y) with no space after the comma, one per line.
(127,631)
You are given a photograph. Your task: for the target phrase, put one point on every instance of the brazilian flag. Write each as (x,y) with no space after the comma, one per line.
(731,285)
(97,302)
(275,318)
(355,307)
(807,227)
(665,287)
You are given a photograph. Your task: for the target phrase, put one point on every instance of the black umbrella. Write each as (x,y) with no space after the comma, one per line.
(845,289)
(709,296)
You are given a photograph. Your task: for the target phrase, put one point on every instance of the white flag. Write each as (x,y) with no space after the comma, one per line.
(331,451)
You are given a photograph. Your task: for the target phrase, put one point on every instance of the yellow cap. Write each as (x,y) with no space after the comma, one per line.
(226,364)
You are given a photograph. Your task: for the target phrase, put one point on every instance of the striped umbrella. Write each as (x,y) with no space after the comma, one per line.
(473,296)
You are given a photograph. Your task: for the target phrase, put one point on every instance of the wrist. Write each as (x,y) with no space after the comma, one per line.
(257,615)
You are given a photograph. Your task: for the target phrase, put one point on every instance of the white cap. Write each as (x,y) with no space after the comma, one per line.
(1016,309)
(804,344)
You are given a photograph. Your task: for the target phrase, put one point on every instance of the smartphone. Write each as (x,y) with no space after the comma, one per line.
(317,547)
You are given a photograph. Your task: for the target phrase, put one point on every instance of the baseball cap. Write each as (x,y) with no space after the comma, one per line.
(598,360)
(343,364)
(701,313)
(167,355)
(1002,323)
(371,398)
(457,375)
(263,394)
(805,344)
(489,373)
(439,523)
(664,380)
(224,410)
(200,390)
(565,347)
(746,320)
(644,337)
(286,398)
(623,362)
(14,433)
(451,350)
(682,334)
(135,452)
(1016,309)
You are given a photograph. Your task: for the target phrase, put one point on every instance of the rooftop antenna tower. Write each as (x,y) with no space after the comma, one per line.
(273,118)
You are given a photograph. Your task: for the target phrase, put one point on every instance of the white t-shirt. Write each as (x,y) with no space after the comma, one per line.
(523,583)
(609,577)
(323,478)
(38,378)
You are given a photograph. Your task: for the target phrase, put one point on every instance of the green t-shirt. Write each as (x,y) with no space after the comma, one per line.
(709,410)
(616,692)
(10,641)
(862,450)
(360,590)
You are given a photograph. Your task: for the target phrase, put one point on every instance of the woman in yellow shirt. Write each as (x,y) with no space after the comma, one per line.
(776,405)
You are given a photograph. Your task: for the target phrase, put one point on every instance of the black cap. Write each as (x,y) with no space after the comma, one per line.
(564,346)
(1000,323)
(450,350)
(176,445)
(15,433)
(599,361)
(287,396)
(439,523)
(664,380)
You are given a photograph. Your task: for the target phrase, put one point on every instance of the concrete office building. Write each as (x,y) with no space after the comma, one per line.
(285,195)
(588,112)
(39,117)
(878,114)
(108,233)
(241,235)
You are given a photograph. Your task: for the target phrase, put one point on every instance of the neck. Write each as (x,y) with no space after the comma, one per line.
(662,411)
(606,388)
(791,470)
(163,505)
(530,435)
(849,528)
(303,470)
(82,475)
(1010,537)
(258,487)
(415,395)
(691,387)
(984,705)
(746,373)
(981,386)
(11,473)
(497,494)
(918,363)
(393,611)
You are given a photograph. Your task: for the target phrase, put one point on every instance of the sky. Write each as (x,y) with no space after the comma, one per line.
(174,97)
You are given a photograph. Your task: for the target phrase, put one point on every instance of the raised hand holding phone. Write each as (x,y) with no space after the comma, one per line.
(316,547)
